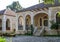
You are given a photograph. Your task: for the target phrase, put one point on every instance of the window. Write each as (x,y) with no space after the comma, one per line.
(45,22)
(57,18)
(40,22)
(20,23)
(20,27)
(7,24)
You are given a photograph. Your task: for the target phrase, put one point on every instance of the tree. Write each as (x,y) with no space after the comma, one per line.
(48,1)
(51,2)
(59,0)
(15,6)
(39,1)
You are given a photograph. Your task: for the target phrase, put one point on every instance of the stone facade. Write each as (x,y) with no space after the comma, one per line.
(32,17)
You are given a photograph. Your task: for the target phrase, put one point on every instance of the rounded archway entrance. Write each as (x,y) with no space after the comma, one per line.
(41,20)
(28,22)
(7,24)
(20,23)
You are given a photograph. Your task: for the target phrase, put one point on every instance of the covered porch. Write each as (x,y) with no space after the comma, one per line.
(41,20)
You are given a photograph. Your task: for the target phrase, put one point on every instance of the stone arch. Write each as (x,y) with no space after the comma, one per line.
(41,12)
(0,24)
(55,16)
(20,23)
(41,19)
(7,24)
(28,21)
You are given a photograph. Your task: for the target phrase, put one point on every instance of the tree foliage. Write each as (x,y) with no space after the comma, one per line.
(15,6)
(48,1)
(58,14)
(39,1)
(51,2)
(59,0)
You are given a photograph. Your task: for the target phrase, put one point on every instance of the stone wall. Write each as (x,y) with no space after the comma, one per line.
(12,22)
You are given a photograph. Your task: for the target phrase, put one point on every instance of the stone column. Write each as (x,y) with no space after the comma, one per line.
(16,23)
(32,20)
(49,15)
(4,23)
(24,24)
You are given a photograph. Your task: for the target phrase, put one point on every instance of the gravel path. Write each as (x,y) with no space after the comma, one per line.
(33,39)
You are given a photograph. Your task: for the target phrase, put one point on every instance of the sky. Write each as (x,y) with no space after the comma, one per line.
(23,3)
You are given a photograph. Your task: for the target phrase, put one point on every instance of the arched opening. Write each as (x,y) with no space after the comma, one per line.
(0,24)
(20,23)
(8,24)
(28,22)
(57,18)
(41,20)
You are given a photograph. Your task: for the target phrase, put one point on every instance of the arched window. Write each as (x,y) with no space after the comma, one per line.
(57,18)
(7,24)
(28,22)
(20,23)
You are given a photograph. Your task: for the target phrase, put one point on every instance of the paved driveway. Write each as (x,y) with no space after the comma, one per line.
(32,39)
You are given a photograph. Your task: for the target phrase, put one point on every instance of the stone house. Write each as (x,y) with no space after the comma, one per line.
(38,15)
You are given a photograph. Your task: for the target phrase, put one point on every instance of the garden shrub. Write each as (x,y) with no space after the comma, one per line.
(2,39)
(32,29)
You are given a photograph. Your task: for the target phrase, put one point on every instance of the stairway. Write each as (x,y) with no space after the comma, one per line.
(38,31)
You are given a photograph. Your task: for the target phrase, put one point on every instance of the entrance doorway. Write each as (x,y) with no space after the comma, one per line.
(41,20)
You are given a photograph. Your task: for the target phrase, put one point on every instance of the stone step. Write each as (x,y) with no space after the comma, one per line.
(38,32)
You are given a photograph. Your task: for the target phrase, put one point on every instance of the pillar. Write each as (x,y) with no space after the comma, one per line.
(16,23)
(49,15)
(4,23)
(24,24)
(32,20)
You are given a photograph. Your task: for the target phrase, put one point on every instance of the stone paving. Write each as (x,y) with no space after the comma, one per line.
(32,39)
